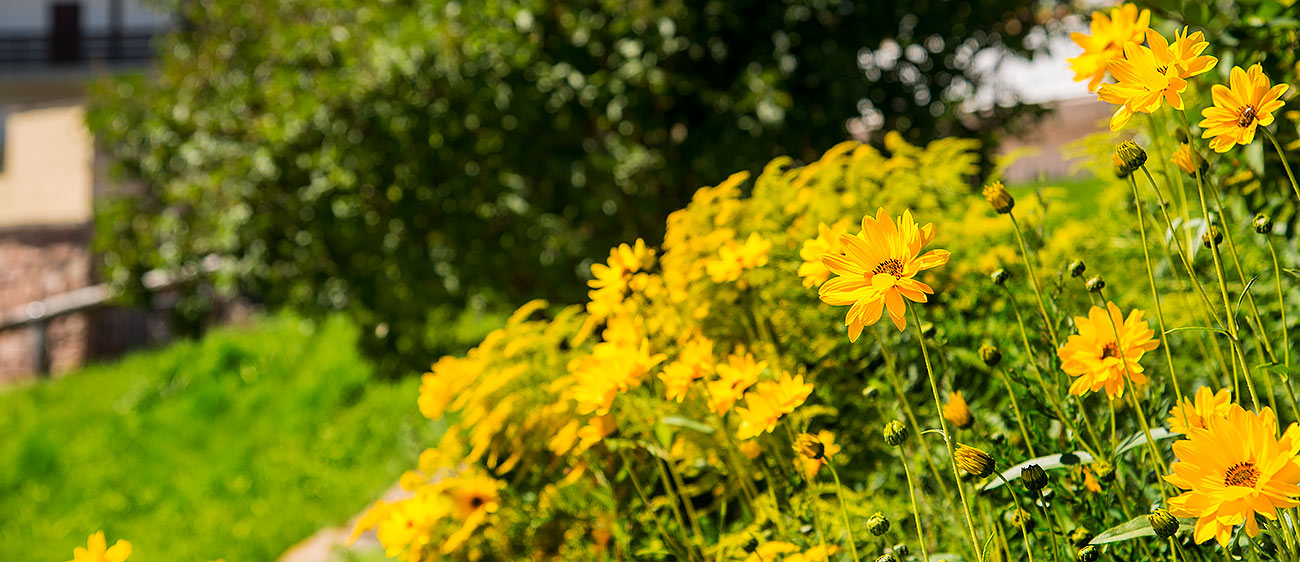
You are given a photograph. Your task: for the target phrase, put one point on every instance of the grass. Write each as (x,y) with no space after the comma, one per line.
(236,446)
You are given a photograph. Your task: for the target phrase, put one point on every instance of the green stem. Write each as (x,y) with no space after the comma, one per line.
(844,509)
(947,439)
(897,382)
(1033,278)
(645,500)
(1015,408)
(1020,518)
(916,513)
(1281,155)
(1155,293)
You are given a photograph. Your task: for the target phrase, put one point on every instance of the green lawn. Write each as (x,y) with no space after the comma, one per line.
(236,446)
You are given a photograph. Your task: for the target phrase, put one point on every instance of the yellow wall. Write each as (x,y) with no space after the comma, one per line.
(48,167)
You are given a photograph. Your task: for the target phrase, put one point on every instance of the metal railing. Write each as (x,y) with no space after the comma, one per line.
(25,50)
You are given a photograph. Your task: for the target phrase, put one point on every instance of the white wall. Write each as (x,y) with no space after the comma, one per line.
(33,16)
(48,175)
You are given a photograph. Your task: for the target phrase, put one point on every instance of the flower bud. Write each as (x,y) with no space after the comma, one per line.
(957,411)
(1163,523)
(1188,160)
(900,550)
(974,461)
(1076,268)
(878,524)
(1121,172)
(1095,284)
(1212,237)
(896,433)
(990,355)
(810,447)
(1034,477)
(1089,554)
(1263,223)
(1131,156)
(1103,469)
(999,197)
(1000,276)
(887,557)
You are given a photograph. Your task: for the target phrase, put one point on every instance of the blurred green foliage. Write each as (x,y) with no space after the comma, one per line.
(382,157)
(243,443)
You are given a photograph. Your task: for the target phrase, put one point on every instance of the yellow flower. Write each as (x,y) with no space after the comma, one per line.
(448,378)
(733,259)
(814,554)
(405,525)
(1187,159)
(812,270)
(694,362)
(1196,415)
(772,551)
(1248,103)
(1183,58)
(613,367)
(1109,35)
(809,466)
(1093,355)
(957,411)
(595,431)
(623,261)
(1234,469)
(470,494)
(96,550)
(1142,85)
(768,402)
(734,377)
(878,270)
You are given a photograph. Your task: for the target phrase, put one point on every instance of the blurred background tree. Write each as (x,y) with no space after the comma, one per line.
(393,159)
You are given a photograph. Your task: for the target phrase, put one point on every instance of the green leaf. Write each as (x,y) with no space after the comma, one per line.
(1138,439)
(1135,528)
(1048,462)
(687,423)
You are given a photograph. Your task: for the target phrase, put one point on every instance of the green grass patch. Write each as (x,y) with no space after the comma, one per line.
(235,446)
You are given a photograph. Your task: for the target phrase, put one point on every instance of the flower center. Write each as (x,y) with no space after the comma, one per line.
(891,266)
(1247,117)
(1110,350)
(476,502)
(1241,474)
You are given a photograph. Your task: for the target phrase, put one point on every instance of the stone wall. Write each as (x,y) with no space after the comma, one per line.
(35,263)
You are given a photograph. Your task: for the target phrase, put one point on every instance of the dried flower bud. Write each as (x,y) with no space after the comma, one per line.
(990,355)
(1163,523)
(999,197)
(1076,268)
(896,433)
(1000,276)
(1263,223)
(1211,237)
(878,524)
(957,411)
(1130,156)
(1095,284)
(1034,477)
(974,461)
(810,447)
(1089,554)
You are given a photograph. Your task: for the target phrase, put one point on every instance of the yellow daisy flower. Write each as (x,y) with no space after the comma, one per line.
(1183,58)
(97,550)
(1197,414)
(1106,43)
(812,270)
(810,466)
(878,270)
(624,260)
(1143,85)
(733,258)
(734,377)
(1234,469)
(694,362)
(1248,103)
(1093,355)
(768,552)
(768,402)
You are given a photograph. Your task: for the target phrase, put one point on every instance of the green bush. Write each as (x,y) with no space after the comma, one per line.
(243,444)
(381,158)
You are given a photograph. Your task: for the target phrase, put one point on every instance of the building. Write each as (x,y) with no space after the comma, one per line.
(49,174)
